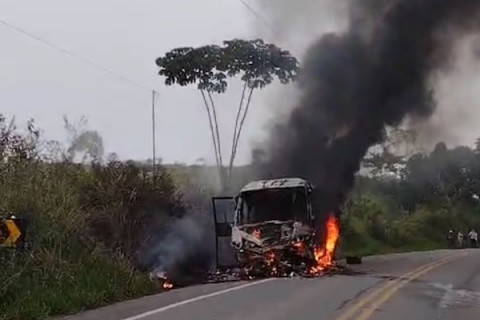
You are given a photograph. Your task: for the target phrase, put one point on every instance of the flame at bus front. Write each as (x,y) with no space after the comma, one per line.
(324,255)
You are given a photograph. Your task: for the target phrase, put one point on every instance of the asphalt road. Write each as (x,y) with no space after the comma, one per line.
(424,285)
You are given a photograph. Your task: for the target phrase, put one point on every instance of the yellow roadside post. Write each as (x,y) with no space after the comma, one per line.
(12,232)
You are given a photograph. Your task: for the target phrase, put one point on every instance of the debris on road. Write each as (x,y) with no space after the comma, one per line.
(267,255)
(240,275)
(270,229)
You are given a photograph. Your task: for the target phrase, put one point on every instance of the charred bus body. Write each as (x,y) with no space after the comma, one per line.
(271,227)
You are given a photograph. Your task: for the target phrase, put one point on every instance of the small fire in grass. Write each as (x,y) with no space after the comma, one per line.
(167,285)
(161,279)
(324,255)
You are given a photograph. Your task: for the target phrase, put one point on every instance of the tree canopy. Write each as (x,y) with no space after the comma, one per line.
(257,64)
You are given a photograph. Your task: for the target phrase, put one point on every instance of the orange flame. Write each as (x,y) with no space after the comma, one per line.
(167,285)
(256,233)
(270,257)
(324,255)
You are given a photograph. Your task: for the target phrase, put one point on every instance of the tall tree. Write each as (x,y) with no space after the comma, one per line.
(87,143)
(390,155)
(256,62)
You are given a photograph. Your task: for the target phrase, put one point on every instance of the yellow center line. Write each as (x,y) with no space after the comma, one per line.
(392,286)
(387,294)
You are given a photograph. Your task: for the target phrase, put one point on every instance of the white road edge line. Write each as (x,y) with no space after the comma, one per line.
(206,296)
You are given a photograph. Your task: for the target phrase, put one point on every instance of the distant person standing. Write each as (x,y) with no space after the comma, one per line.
(460,239)
(473,236)
(450,238)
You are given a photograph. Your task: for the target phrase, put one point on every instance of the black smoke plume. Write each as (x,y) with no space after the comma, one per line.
(354,84)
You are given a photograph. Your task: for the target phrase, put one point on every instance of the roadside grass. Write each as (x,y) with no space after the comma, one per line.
(84,226)
(46,284)
(68,266)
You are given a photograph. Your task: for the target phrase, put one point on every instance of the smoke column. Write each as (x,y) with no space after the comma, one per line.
(355,83)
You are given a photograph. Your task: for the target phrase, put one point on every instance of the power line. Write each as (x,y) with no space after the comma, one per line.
(258,15)
(96,66)
(73,56)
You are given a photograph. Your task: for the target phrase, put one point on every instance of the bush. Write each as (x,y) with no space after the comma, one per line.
(363,225)
(368,229)
(85,225)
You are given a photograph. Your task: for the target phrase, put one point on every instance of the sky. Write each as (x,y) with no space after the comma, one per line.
(124,36)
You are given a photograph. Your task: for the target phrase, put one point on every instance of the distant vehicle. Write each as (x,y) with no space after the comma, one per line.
(270,227)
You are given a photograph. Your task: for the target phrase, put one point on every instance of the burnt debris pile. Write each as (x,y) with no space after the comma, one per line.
(284,249)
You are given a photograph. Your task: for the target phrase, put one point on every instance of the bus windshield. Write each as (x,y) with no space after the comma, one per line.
(274,204)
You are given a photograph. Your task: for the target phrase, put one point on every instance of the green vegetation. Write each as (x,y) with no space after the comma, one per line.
(85,224)
(412,201)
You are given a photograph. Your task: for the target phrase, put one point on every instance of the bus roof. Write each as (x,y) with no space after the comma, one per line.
(283,183)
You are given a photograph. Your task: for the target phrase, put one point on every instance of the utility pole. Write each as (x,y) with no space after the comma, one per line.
(154,93)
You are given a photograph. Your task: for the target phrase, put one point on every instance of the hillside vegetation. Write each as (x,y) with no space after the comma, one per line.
(87,224)
(424,196)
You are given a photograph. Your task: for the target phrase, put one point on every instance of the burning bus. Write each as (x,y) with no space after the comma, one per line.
(269,229)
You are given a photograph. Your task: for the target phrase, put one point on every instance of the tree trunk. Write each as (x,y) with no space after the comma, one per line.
(237,120)
(212,131)
(217,131)
(237,138)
